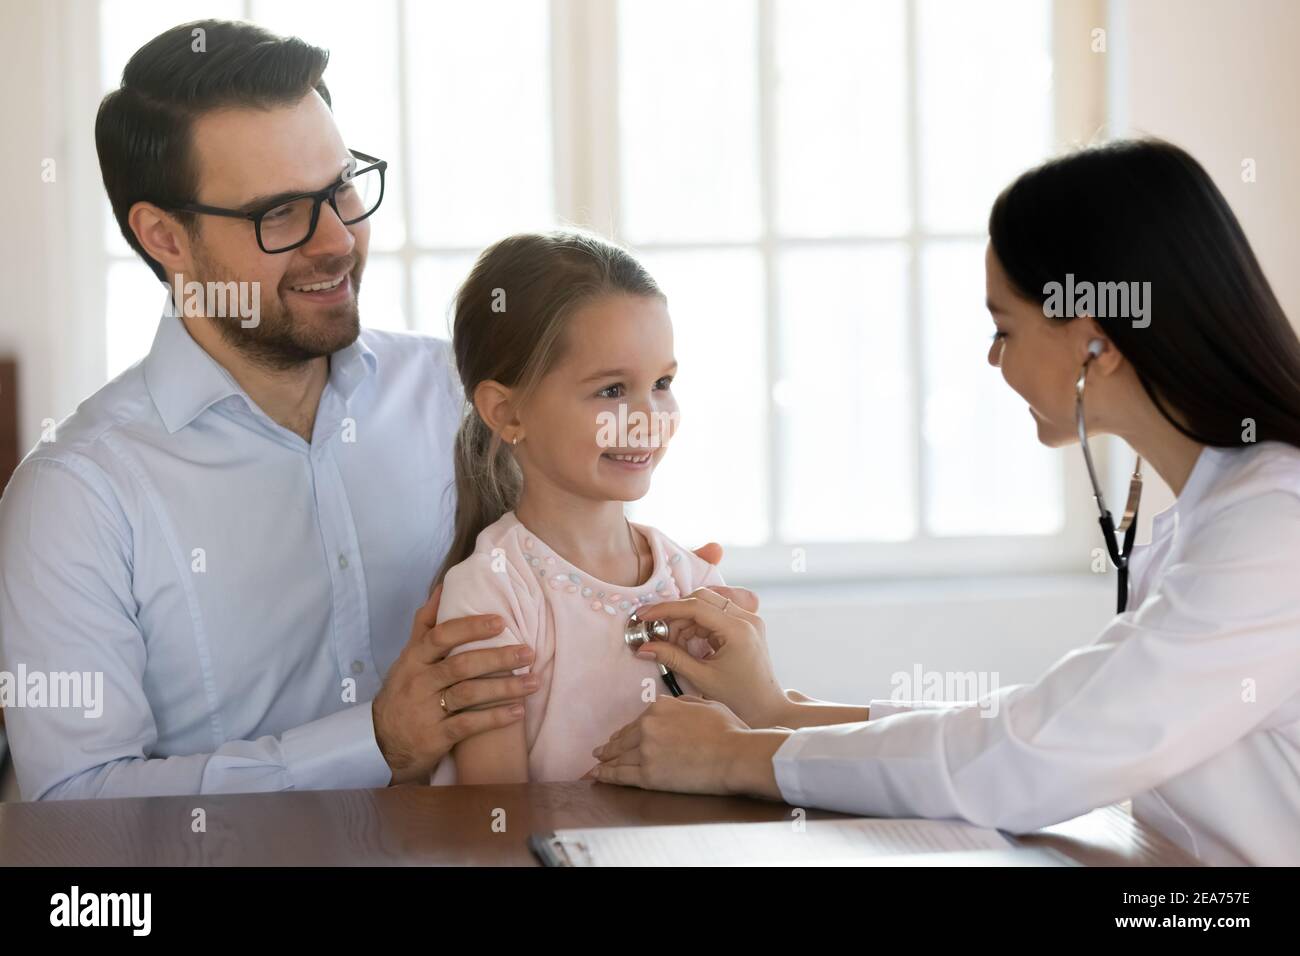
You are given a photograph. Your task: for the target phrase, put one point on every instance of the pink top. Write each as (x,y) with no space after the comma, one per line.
(592,683)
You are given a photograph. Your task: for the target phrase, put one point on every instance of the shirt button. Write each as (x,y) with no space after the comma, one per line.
(358,667)
(343,561)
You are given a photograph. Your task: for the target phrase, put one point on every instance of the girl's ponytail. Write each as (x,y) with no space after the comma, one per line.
(488,482)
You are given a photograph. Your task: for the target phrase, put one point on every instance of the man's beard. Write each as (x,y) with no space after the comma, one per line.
(281,339)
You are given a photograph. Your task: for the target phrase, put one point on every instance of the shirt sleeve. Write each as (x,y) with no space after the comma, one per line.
(1162,689)
(489,583)
(887,708)
(67,607)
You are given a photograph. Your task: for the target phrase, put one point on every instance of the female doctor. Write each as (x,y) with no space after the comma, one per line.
(1189,701)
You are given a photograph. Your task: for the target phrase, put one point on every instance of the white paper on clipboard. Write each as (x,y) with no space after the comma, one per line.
(813,842)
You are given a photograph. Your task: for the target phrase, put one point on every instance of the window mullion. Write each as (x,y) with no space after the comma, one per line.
(584,96)
(407,251)
(566,106)
(915,304)
(768,247)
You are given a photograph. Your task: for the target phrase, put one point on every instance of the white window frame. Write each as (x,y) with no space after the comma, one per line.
(584,80)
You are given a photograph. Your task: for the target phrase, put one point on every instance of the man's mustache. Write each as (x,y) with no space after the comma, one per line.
(324,272)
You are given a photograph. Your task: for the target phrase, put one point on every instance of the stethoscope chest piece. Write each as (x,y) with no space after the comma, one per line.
(636,631)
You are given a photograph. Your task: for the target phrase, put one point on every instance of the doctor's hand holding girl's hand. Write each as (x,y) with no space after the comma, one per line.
(691,745)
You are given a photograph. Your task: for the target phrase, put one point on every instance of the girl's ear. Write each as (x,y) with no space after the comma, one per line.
(492,401)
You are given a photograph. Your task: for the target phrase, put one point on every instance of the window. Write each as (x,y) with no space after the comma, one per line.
(808,180)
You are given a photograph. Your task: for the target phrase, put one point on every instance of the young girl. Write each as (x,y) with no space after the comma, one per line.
(565,349)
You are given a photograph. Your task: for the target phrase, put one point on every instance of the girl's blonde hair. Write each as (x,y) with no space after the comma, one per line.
(508,327)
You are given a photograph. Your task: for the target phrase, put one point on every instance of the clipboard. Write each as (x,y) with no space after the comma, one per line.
(553,850)
(941,843)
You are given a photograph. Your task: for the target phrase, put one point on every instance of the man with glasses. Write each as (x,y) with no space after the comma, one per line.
(235,532)
(287,221)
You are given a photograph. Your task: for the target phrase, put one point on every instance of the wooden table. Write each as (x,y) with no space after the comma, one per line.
(420,825)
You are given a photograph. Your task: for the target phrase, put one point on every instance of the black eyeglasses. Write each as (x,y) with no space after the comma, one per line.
(288,222)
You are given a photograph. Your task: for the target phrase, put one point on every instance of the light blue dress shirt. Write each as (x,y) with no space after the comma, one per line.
(241,591)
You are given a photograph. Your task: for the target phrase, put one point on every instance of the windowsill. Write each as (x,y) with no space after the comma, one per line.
(779,595)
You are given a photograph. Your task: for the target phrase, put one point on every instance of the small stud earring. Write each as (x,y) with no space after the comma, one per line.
(515,440)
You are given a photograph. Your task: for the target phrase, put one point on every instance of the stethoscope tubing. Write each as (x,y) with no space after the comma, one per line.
(1119,553)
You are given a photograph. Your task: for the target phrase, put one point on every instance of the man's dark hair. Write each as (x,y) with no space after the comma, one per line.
(143,129)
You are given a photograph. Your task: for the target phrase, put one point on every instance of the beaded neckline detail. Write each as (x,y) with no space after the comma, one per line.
(599,596)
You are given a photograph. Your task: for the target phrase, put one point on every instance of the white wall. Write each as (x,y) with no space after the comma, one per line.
(1221,79)
(845,643)
(49,272)
(26,97)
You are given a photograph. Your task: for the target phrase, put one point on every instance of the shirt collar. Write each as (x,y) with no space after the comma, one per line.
(351,366)
(1200,479)
(1199,482)
(184,380)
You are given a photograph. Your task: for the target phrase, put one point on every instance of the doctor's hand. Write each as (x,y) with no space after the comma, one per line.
(691,745)
(712,553)
(738,671)
(413,728)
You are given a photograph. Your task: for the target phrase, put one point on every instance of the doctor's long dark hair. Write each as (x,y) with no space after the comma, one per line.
(1219,348)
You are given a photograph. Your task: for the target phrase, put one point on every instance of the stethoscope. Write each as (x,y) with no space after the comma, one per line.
(636,632)
(1119,554)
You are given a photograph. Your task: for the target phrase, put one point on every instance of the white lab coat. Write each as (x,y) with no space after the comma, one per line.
(1189,702)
